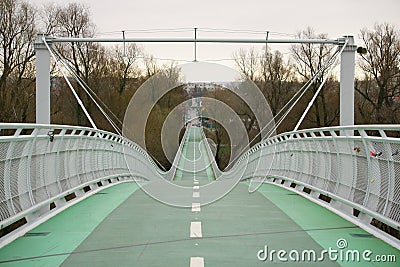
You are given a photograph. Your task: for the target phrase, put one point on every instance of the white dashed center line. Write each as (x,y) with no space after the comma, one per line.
(196,207)
(196,262)
(195,230)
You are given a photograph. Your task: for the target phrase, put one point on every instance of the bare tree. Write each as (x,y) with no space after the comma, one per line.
(381,66)
(247,62)
(49,18)
(17,36)
(151,66)
(72,20)
(272,73)
(88,60)
(125,64)
(309,58)
(276,80)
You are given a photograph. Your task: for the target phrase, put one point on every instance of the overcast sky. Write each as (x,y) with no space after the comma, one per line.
(335,18)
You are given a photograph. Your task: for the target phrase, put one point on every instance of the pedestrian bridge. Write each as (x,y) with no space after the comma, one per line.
(75,196)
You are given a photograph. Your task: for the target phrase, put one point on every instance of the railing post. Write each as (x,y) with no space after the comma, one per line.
(347,68)
(42,81)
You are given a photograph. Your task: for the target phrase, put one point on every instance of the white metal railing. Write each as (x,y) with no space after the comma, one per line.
(175,163)
(217,172)
(360,171)
(42,163)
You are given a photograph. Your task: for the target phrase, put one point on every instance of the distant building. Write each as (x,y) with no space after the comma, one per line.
(200,87)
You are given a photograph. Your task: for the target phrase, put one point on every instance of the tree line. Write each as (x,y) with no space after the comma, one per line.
(114,73)
(377,84)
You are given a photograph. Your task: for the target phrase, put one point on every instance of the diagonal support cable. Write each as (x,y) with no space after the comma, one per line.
(88,91)
(70,86)
(86,88)
(296,98)
(319,89)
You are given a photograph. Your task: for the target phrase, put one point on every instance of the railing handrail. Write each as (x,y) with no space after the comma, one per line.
(348,163)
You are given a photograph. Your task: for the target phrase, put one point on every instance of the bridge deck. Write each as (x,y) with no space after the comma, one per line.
(123,226)
(194,164)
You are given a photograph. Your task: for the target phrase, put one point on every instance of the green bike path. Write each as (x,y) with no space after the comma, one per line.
(51,243)
(194,164)
(125,227)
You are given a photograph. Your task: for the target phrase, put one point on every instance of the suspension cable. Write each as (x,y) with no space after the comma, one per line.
(86,88)
(70,86)
(319,89)
(330,62)
(296,98)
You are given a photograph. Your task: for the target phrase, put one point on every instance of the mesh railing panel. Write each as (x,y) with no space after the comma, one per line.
(38,166)
(363,169)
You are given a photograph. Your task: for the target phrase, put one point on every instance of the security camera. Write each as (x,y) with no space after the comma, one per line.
(362,50)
